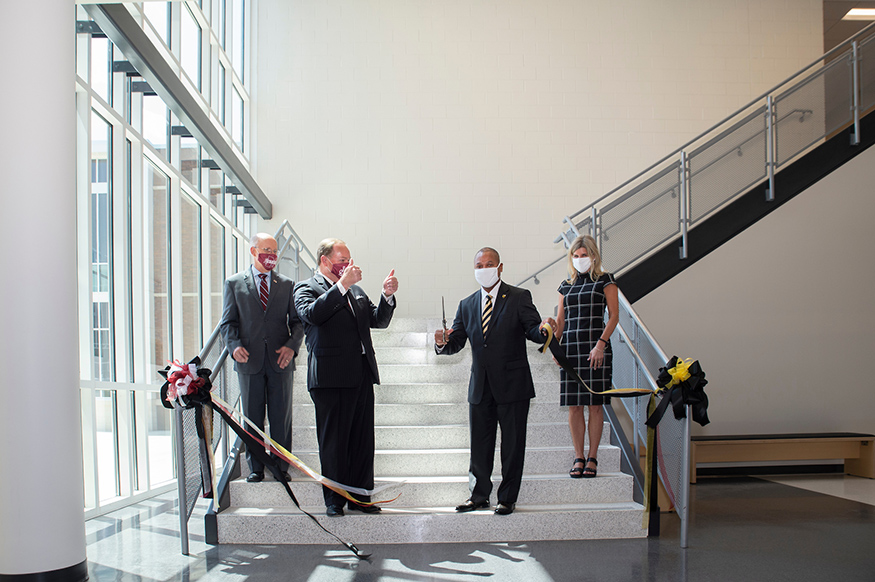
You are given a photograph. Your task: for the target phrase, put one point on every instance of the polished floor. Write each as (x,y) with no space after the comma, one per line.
(741,528)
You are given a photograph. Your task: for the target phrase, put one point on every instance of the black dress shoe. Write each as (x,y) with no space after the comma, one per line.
(255,477)
(471,506)
(365,508)
(334,511)
(504,508)
(286,477)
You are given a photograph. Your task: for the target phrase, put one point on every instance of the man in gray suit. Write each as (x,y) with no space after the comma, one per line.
(263,334)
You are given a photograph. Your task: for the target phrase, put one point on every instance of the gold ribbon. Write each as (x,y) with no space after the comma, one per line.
(680,373)
(297,463)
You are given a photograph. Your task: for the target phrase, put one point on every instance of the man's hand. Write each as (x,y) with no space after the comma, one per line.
(351,275)
(285,356)
(390,285)
(241,355)
(549,321)
(441,336)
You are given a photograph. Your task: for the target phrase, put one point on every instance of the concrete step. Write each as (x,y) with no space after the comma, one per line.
(449,436)
(433,525)
(430,414)
(391,464)
(435,373)
(445,491)
(426,392)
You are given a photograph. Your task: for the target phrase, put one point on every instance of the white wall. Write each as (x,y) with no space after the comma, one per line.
(420,131)
(781,316)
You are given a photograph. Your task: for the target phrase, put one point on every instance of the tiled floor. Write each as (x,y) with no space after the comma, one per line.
(788,528)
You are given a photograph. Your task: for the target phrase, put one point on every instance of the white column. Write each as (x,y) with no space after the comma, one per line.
(42,527)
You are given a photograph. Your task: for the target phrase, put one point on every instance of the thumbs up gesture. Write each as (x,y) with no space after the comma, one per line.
(390,285)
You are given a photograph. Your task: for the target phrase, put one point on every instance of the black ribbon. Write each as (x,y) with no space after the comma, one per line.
(690,391)
(558,352)
(202,397)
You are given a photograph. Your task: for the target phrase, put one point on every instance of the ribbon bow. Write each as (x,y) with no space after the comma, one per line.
(684,381)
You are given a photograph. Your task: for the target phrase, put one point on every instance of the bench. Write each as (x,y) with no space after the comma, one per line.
(858,450)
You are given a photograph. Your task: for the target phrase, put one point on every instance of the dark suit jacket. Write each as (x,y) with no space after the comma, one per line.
(262,332)
(334,336)
(501,356)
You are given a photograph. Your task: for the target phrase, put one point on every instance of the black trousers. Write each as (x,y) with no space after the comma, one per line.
(273,390)
(345,431)
(484,418)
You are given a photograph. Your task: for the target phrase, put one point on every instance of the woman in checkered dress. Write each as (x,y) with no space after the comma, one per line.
(583,298)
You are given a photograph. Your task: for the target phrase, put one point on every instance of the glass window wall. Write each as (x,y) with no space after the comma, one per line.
(148,300)
(190,47)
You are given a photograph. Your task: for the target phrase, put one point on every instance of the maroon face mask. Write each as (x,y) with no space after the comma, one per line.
(337,269)
(267,260)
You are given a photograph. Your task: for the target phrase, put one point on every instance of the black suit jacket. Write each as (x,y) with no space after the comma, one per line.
(501,356)
(334,336)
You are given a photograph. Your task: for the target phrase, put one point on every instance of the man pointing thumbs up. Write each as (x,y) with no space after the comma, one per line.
(341,367)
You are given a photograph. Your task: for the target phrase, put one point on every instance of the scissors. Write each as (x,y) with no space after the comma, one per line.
(444,312)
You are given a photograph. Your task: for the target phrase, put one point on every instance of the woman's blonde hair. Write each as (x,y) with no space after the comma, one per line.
(587,242)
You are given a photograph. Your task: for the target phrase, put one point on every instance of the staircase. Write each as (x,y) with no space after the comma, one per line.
(422,440)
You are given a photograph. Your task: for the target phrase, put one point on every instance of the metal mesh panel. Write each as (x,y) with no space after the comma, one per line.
(190,444)
(644,219)
(867,74)
(814,108)
(728,165)
(627,374)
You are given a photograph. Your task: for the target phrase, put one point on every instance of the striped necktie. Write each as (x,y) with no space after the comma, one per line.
(262,291)
(487,314)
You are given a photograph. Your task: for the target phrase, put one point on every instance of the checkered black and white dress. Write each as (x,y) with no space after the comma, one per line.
(584,323)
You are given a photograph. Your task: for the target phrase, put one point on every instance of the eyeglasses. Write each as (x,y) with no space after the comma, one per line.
(271,251)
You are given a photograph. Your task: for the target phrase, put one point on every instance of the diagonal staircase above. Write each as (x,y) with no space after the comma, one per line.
(422,440)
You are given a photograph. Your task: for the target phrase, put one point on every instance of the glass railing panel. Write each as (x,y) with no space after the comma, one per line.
(728,165)
(813,109)
(867,74)
(647,217)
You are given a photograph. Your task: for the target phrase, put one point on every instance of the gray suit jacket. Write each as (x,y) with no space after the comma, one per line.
(262,332)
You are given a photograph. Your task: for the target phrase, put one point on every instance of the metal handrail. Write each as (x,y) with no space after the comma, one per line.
(632,343)
(232,452)
(630,311)
(843,46)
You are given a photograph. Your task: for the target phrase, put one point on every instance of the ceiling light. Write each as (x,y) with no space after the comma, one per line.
(860,14)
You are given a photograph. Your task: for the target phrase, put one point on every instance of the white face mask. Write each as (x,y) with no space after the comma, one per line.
(582,264)
(486,277)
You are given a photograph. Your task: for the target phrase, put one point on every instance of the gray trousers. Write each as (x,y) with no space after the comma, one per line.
(271,390)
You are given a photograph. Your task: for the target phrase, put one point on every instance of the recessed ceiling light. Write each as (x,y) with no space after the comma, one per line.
(860,14)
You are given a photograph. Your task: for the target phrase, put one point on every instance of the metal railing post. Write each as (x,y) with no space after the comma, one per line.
(770,147)
(180,480)
(685,478)
(684,202)
(855,137)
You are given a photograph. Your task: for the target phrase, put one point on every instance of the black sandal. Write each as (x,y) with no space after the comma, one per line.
(576,472)
(589,473)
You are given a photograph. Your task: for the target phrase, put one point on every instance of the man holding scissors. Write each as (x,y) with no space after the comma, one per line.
(497,319)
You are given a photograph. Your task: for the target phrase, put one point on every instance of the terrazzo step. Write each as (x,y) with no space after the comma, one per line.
(405,339)
(390,355)
(433,525)
(426,392)
(430,414)
(444,491)
(538,434)
(453,462)
(426,373)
